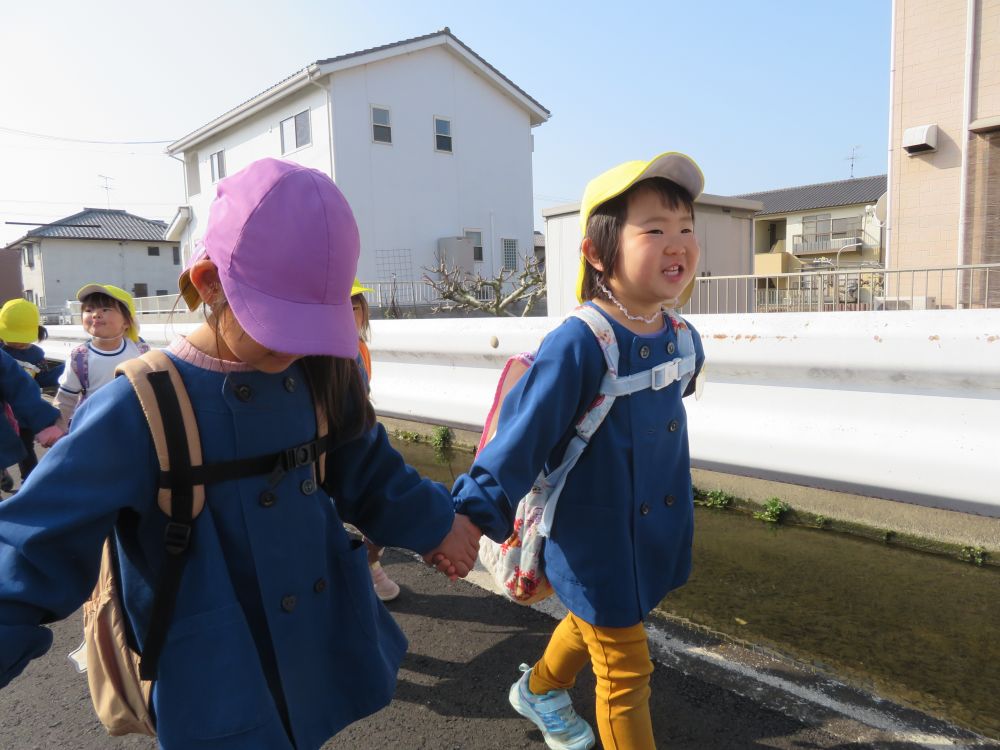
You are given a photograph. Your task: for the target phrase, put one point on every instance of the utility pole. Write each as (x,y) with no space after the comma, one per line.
(107,187)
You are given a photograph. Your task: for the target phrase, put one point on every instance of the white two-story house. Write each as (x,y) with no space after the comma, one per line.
(106,246)
(430,143)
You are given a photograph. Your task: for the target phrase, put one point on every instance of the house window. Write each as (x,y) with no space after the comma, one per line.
(381,125)
(510,254)
(162,292)
(140,290)
(477,243)
(442,134)
(29,256)
(152,251)
(177,255)
(816,228)
(29,295)
(295,132)
(218,160)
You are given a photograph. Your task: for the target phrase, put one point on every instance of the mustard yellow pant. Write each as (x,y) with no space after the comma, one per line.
(621,664)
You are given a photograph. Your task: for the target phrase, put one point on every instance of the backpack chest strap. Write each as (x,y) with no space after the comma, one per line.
(655,378)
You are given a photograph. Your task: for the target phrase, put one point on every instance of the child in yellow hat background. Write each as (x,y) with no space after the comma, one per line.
(386,589)
(109,317)
(20,328)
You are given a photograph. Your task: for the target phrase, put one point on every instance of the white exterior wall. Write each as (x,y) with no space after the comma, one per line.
(63,266)
(257,137)
(869,228)
(407,195)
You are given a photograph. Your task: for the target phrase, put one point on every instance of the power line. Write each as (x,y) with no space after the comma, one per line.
(43,136)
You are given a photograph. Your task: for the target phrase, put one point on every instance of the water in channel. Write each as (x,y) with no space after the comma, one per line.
(916,628)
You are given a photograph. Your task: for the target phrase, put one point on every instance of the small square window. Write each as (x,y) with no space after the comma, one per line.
(152,251)
(218,160)
(381,125)
(295,132)
(442,134)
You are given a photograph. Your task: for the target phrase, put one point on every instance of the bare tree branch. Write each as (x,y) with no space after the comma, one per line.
(497,296)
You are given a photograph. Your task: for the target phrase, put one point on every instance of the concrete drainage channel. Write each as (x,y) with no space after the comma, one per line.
(783,685)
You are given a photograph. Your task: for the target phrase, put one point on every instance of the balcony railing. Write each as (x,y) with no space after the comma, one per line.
(827,245)
(830,290)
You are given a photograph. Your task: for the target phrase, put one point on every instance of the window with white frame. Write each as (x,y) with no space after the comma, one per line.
(442,134)
(295,132)
(29,255)
(218,160)
(381,125)
(509,254)
(477,243)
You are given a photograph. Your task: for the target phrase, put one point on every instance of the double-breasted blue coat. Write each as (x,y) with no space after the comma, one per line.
(622,532)
(277,640)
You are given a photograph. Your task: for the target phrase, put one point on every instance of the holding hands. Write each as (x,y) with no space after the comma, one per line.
(47,437)
(456,555)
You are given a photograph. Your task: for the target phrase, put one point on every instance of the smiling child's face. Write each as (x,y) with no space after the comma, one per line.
(658,255)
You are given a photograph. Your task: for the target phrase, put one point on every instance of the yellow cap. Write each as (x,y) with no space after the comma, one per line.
(19,322)
(119,294)
(358,289)
(672,165)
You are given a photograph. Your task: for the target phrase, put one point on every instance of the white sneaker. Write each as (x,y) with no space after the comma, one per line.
(386,589)
(553,714)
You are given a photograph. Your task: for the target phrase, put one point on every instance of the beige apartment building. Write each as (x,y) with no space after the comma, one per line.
(944,136)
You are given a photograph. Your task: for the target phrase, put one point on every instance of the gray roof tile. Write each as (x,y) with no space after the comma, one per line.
(820,195)
(108,224)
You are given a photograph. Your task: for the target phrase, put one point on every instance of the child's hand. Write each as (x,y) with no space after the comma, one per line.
(49,435)
(456,555)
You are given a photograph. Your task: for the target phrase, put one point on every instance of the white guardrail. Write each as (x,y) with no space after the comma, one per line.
(901,405)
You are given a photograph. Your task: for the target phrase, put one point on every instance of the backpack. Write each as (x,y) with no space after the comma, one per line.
(517,565)
(120,679)
(79,364)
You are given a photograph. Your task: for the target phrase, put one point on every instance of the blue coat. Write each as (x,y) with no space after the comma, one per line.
(276,618)
(47,375)
(621,537)
(19,389)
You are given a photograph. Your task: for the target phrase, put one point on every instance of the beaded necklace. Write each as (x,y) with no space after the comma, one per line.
(651,319)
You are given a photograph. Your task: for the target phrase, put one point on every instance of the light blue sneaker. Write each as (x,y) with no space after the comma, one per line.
(553,714)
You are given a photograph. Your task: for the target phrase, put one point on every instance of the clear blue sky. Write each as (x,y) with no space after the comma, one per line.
(763,95)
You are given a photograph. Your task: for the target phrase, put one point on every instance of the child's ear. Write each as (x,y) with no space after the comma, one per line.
(205,276)
(591,255)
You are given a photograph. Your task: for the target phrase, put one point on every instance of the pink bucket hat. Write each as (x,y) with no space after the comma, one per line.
(286,245)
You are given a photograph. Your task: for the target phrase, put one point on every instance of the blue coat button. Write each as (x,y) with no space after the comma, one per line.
(644,351)
(670,347)
(320,586)
(288,603)
(308,486)
(290,384)
(644,509)
(668,500)
(243,392)
(674,425)
(267,498)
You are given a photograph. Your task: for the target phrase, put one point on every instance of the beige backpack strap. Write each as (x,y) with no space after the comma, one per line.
(138,371)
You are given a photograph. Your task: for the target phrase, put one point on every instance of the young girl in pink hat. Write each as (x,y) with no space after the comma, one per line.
(276,639)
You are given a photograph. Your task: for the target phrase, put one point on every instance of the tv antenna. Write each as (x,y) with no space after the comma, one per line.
(107,188)
(853,157)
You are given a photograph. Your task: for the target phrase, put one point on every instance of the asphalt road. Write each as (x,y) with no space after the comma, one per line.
(465,646)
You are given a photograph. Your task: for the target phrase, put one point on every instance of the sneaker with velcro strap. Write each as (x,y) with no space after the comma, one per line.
(553,714)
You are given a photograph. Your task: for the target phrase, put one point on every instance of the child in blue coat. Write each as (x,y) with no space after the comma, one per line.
(277,639)
(20,328)
(21,402)
(621,536)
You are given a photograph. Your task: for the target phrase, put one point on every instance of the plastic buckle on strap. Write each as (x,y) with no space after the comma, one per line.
(665,374)
(300,455)
(176,537)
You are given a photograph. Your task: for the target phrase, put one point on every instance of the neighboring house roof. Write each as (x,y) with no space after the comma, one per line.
(100,224)
(311,72)
(820,195)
